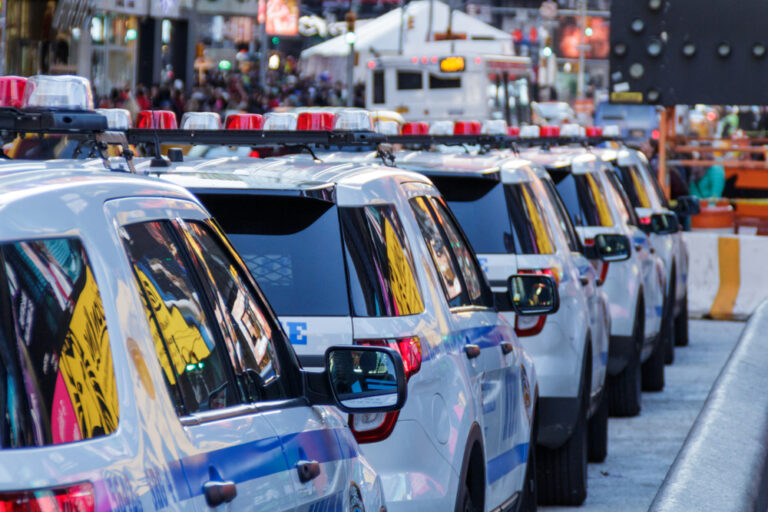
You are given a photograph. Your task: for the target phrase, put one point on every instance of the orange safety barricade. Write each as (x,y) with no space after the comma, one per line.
(715,214)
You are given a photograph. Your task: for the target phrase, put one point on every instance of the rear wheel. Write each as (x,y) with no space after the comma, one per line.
(466,500)
(624,389)
(528,495)
(597,449)
(681,324)
(653,369)
(668,327)
(561,474)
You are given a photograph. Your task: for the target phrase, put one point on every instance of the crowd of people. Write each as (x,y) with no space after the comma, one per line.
(229,92)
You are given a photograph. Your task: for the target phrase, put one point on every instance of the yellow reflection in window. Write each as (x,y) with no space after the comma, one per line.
(405,292)
(642,195)
(603,213)
(540,229)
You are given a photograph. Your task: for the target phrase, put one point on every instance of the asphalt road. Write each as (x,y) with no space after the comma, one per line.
(641,449)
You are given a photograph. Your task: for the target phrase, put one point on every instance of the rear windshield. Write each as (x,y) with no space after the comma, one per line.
(57,380)
(292,247)
(312,258)
(583,196)
(480,207)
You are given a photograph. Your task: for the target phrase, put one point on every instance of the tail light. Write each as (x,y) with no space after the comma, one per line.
(75,498)
(371,428)
(645,221)
(533,325)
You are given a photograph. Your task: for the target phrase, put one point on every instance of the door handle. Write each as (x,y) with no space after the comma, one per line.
(217,492)
(308,470)
(507,347)
(638,247)
(472,351)
(653,251)
(584,280)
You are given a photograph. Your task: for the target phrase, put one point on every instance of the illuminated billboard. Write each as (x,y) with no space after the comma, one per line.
(282,17)
(597,37)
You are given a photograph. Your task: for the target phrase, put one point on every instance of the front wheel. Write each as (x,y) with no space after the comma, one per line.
(624,390)
(598,433)
(528,495)
(681,325)
(668,326)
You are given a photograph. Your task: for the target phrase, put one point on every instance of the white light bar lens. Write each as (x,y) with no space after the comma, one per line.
(353,120)
(201,121)
(283,121)
(64,91)
(495,127)
(570,130)
(117,118)
(386,127)
(441,128)
(531,131)
(611,130)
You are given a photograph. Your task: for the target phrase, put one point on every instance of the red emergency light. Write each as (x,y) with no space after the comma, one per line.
(513,131)
(244,122)
(315,121)
(12,91)
(416,128)
(594,131)
(157,120)
(467,128)
(549,131)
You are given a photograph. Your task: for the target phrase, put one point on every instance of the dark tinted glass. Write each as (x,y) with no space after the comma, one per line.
(292,247)
(378,87)
(57,380)
(529,219)
(192,358)
(409,80)
(382,275)
(438,82)
(250,335)
(481,209)
(615,181)
(634,186)
(574,244)
(575,193)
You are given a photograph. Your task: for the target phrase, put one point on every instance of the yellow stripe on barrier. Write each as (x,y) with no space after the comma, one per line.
(730,280)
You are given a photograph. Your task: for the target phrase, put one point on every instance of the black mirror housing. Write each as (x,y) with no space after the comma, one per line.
(687,205)
(611,247)
(533,294)
(664,223)
(359,379)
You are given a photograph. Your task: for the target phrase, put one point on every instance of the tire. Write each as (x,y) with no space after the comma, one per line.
(653,369)
(561,474)
(625,389)
(668,325)
(597,435)
(681,325)
(528,496)
(465,498)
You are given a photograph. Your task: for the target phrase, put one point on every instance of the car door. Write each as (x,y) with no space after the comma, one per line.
(231,454)
(315,440)
(488,344)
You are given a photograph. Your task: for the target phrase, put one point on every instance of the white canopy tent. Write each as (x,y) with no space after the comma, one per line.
(409,32)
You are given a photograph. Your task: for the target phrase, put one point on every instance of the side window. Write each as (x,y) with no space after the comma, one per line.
(439,82)
(249,333)
(193,359)
(574,244)
(463,253)
(642,193)
(439,250)
(529,220)
(57,379)
(409,80)
(625,206)
(382,274)
(597,193)
(379,96)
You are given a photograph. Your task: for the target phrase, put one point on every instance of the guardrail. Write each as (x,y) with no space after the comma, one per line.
(723,464)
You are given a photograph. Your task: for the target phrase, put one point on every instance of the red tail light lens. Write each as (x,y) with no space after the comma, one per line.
(12,91)
(157,120)
(600,266)
(315,121)
(645,221)
(533,325)
(467,128)
(244,122)
(75,498)
(371,428)
(420,128)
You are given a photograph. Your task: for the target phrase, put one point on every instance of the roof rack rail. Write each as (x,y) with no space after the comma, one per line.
(497,141)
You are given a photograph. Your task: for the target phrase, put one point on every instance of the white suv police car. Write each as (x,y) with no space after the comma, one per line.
(142,369)
(370,255)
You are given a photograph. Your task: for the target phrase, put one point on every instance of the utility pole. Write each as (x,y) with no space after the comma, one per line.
(350,18)
(264,49)
(582,47)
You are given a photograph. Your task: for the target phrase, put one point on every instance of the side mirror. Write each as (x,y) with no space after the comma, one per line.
(365,379)
(687,205)
(664,223)
(612,247)
(533,294)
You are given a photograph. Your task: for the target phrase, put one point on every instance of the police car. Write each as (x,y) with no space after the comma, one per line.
(142,367)
(503,206)
(371,255)
(635,287)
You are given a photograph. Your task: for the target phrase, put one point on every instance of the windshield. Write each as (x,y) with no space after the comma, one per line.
(480,207)
(297,259)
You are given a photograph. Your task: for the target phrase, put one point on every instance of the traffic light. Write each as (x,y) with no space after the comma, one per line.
(275,40)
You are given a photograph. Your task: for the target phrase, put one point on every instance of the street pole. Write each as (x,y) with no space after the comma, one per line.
(582,47)
(264,51)
(350,18)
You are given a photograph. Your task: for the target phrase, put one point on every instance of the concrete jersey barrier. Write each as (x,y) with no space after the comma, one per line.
(727,274)
(722,465)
